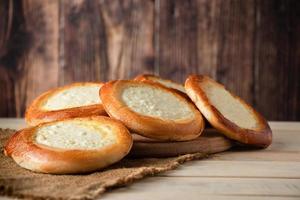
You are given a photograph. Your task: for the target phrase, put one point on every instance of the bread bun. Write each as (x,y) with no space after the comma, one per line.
(165,82)
(74,100)
(227,112)
(70,146)
(152,110)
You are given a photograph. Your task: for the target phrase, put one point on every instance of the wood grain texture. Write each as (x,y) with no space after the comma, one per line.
(235,52)
(130,32)
(83,42)
(238,169)
(41,61)
(106,40)
(253,47)
(277,59)
(193,187)
(177,32)
(8,53)
(208,28)
(6,10)
(30,55)
(208,37)
(194,196)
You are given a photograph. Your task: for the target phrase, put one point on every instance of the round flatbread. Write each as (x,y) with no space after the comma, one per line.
(152,110)
(227,112)
(74,100)
(70,146)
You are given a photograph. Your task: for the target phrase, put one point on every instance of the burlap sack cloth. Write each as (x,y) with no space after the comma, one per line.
(18,182)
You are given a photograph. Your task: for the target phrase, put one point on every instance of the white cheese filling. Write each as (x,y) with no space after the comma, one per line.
(73,97)
(229,107)
(155,102)
(75,135)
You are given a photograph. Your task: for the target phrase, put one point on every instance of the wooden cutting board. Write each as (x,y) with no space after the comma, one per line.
(209,142)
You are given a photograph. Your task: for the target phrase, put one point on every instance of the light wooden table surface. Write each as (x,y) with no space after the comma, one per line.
(260,174)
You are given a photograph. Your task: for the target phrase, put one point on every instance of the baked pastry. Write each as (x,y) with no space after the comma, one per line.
(165,82)
(227,112)
(70,146)
(152,110)
(209,142)
(74,100)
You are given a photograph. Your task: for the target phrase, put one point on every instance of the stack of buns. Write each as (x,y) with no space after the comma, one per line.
(85,127)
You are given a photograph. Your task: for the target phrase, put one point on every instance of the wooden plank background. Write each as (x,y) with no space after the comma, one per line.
(252,46)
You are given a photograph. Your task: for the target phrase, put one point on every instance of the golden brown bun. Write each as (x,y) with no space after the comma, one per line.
(144,124)
(29,154)
(201,89)
(35,114)
(164,82)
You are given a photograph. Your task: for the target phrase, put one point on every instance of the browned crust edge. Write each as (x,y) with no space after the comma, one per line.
(261,137)
(147,126)
(39,158)
(34,115)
